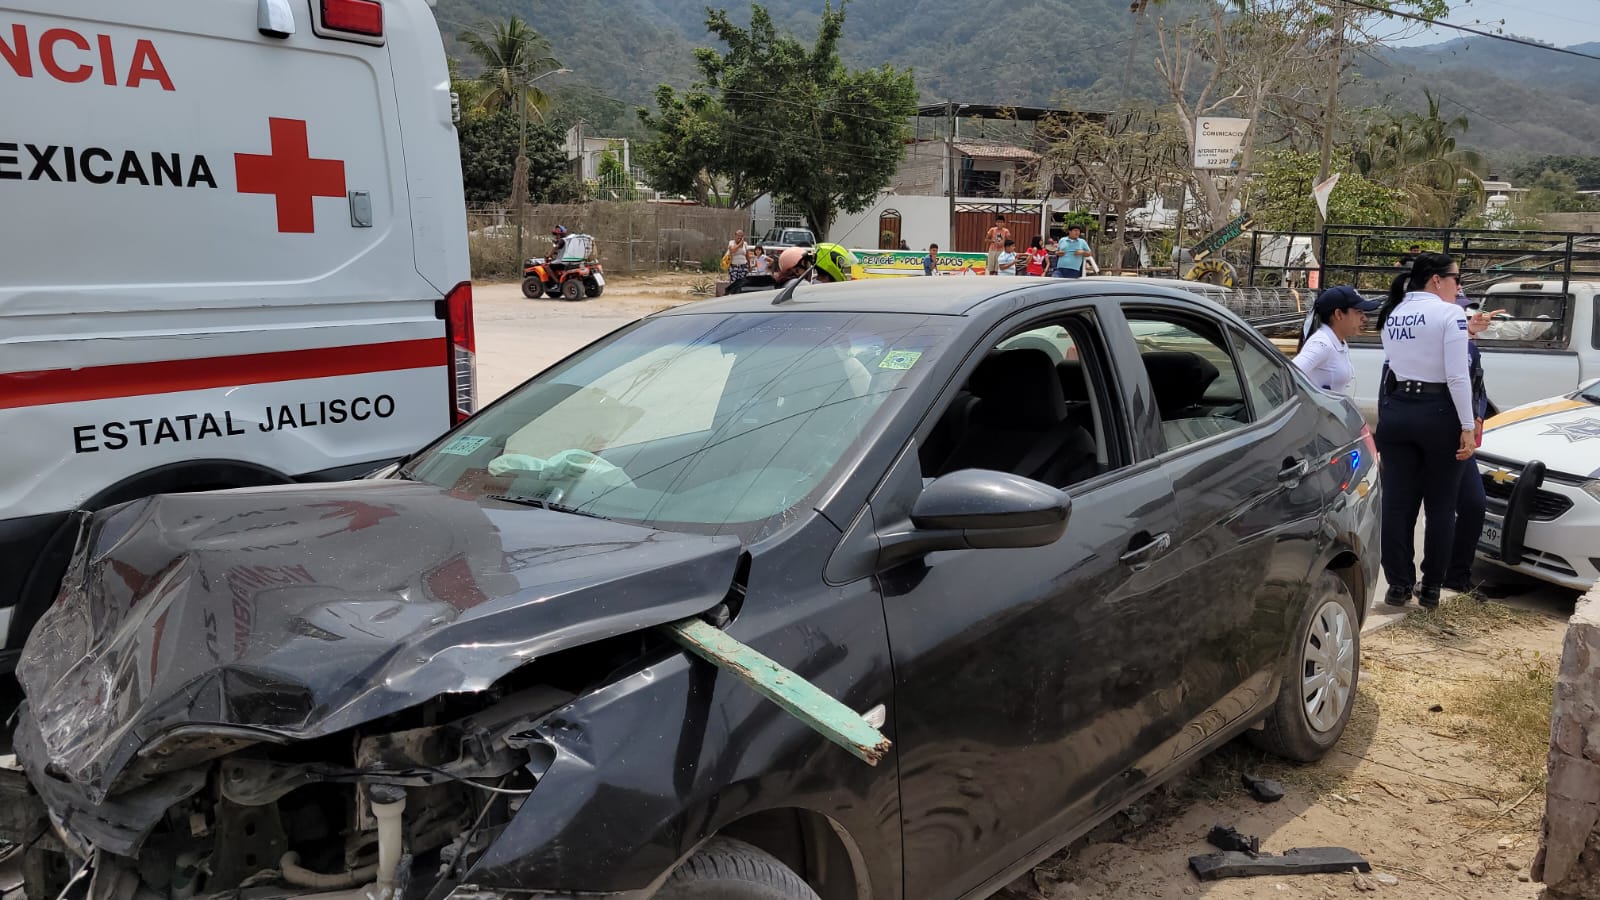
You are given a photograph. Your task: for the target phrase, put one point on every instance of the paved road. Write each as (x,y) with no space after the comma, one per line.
(518,337)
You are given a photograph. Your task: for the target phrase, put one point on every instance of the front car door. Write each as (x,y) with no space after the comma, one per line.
(1027,680)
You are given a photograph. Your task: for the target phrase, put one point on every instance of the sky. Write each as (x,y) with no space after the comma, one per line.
(1559,22)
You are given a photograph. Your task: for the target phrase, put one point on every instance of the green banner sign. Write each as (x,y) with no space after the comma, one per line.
(1216,240)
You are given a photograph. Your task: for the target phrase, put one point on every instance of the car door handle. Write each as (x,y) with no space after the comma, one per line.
(1139,557)
(1294,470)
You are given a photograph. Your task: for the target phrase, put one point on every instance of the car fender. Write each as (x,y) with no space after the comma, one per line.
(645,768)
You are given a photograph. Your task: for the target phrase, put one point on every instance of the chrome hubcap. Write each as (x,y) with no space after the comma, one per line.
(1330,666)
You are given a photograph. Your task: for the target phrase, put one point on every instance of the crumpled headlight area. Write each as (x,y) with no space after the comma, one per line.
(368,812)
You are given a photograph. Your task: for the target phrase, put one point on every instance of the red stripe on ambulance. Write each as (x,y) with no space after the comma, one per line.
(18,389)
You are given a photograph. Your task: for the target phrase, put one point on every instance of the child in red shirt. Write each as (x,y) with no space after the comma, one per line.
(1038,258)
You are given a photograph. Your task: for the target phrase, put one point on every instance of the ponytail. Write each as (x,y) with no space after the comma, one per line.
(1397,292)
(1422,271)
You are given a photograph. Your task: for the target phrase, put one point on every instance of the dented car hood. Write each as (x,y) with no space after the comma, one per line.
(296,612)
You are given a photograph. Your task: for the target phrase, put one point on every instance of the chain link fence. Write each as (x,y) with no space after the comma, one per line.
(630,236)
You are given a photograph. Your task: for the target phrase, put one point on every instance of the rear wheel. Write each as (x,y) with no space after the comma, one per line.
(532,288)
(572,289)
(726,869)
(595,288)
(1319,677)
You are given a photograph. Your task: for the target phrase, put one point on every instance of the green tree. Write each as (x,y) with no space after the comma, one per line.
(771,114)
(1280,194)
(612,178)
(1556,192)
(1585,170)
(489,152)
(690,153)
(513,56)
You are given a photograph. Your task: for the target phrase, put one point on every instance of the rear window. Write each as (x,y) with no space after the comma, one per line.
(1537,319)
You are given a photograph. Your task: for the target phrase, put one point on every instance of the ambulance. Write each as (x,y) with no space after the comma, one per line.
(232,253)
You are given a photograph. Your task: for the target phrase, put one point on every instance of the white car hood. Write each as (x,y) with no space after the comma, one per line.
(1561,432)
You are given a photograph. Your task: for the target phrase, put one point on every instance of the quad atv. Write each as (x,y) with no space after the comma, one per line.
(575,275)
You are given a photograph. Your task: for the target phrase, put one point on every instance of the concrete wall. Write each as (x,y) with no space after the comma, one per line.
(923,221)
(1569,847)
(1588,223)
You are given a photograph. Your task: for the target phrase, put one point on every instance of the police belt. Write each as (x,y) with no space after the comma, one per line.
(1393,385)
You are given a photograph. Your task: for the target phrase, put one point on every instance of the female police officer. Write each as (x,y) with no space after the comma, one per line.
(1425,423)
(1324,356)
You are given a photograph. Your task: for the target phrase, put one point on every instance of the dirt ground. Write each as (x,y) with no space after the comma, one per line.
(1438,782)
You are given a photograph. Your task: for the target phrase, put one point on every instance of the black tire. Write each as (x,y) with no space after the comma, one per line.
(572,289)
(1290,731)
(595,289)
(532,288)
(726,869)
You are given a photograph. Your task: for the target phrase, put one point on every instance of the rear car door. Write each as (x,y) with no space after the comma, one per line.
(1241,446)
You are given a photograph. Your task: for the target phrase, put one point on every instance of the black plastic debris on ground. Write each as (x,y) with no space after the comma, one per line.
(1263,789)
(1299,861)
(1226,837)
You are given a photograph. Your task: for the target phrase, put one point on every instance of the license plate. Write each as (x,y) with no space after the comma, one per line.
(1490,538)
(599,279)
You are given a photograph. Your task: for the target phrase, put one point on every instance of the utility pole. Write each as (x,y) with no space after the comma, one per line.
(1331,110)
(519,176)
(950,166)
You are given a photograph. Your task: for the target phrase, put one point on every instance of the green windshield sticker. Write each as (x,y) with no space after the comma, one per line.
(464,445)
(900,359)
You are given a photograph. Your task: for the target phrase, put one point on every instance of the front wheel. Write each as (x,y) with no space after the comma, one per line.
(532,288)
(726,869)
(1319,676)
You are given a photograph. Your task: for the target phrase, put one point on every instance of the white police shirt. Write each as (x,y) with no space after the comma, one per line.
(1425,339)
(1326,361)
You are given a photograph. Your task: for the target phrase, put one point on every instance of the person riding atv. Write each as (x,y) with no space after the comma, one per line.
(823,263)
(571,272)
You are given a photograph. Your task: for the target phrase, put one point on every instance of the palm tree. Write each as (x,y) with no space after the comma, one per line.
(1417,154)
(513,55)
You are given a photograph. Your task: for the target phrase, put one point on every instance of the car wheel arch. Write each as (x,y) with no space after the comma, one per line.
(812,844)
(1345,563)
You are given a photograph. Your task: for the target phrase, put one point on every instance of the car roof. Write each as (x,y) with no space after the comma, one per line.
(946,296)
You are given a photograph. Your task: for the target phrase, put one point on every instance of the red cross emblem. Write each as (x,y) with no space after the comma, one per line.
(290,175)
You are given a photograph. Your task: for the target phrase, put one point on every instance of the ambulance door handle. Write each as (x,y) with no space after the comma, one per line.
(274,18)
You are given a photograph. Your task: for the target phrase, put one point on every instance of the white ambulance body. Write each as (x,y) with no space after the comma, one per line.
(232,252)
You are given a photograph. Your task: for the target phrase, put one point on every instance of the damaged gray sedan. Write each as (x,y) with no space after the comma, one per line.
(620,633)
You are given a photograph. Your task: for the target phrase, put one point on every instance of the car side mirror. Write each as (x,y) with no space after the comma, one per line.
(978,509)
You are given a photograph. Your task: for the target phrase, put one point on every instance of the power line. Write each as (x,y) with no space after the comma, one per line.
(1510,39)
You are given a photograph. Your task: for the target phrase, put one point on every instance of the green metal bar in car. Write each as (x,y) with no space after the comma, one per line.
(797,696)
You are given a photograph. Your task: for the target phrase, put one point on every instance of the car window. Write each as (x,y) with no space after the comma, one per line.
(1037,405)
(1266,376)
(706,423)
(1198,391)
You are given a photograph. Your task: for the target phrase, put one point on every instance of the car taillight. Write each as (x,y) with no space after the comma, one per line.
(363,17)
(463,360)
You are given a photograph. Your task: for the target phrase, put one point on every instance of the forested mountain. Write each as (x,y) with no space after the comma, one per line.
(1521,101)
